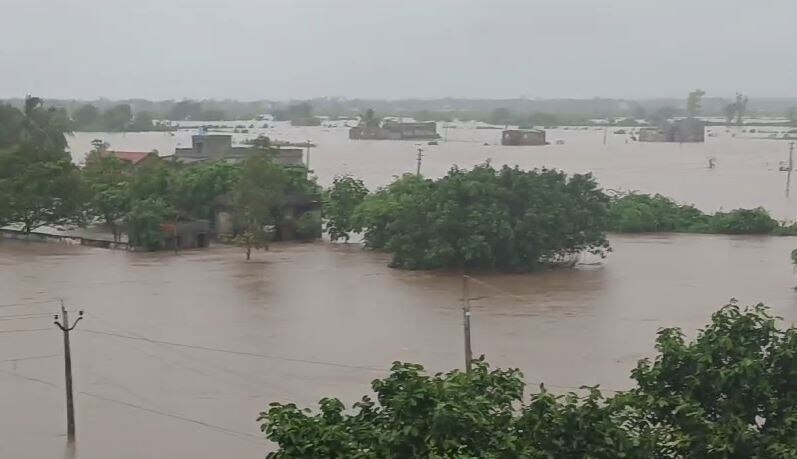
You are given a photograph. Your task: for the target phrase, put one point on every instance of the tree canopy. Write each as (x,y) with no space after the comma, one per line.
(39,184)
(343,198)
(730,393)
(486,218)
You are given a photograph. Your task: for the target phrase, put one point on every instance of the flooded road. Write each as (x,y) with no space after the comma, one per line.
(178,354)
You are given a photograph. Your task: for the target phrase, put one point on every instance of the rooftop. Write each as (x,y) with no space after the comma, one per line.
(134,157)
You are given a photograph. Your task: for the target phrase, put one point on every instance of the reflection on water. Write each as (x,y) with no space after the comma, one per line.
(309,320)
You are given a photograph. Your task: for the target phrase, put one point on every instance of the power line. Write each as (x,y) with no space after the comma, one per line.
(234,352)
(235,433)
(34,357)
(29,378)
(25,316)
(248,379)
(26,330)
(11,305)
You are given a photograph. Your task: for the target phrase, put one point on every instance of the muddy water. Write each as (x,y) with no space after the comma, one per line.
(309,320)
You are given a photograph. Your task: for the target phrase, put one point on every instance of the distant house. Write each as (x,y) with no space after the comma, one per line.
(683,130)
(523,137)
(190,234)
(293,207)
(395,130)
(216,147)
(132,157)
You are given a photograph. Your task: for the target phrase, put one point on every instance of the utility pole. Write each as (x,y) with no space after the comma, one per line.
(420,155)
(604,135)
(791,166)
(466,323)
(70,407)
(307,169)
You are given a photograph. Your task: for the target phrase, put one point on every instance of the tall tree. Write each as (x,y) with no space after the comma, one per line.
(257,196)
(729,112)
(741,108)
(343,198)
(40,184)
(107,180)
(11,121)
(694,103)
(86,117)
(39,192)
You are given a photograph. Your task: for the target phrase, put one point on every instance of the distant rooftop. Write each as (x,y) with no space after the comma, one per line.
(133,157)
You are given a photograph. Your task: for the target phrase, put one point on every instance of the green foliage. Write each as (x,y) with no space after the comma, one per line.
(743,221)
(300,111)
(145,220)
(39,184)
(505,219)
(343,198)
(152,180)
(501,115)
(108,182)
(731,393)
(257,196)
(640,213)
(694,103)
(195,188)
(11,120)
(39,192)
(308,226)
(118,118)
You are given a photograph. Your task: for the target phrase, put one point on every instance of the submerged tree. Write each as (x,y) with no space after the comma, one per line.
(108,182)
(257,195)
(741,108)
(342,200)
(505,219)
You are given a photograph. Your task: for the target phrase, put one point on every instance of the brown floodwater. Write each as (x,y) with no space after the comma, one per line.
(311,320)
(178,354)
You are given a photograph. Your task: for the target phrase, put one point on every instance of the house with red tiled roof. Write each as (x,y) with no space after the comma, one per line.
(132,157)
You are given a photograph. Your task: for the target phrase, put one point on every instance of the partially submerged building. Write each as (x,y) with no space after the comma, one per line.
(292,207)
(523,137)
(189,234)
(683,130)
(219,147)
(395,130)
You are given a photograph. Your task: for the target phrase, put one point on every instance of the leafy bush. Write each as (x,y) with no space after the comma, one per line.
(343,198)
(506,219)
(731,393)
(308,226)
(743,221)
(641,213)
(144,222)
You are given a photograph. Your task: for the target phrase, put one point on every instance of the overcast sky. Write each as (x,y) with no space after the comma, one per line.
(281,49)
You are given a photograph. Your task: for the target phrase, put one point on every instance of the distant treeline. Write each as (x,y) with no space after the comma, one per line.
(136,114)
